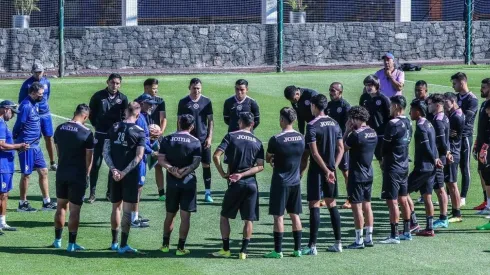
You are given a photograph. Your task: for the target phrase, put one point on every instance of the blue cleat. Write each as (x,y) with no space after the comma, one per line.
(441,223)
(57,243)
(405,236)
(115,246)
(355,245)
(72,247)
(208,198)
(126,249)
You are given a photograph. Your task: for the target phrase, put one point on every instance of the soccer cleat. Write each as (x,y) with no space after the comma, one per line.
(26,207)
(309,251)
(369,244)
(441,223)
(335,248)
(484,211)
(139,224)
(162,198)
(91,199)
(274,255)
(221,254)
(126,249)
(208,198)
(296,253)
(242,256)
(50,206)
(182,252)
(73,247)
(420,200)
(455,219)
(414,228)
(390,240)
(6,227)
(426,233)
(115,246)
(57,243)
(54,166)
(462,202)
(484,227)
(405,237)
(481,206)
(165,249)
(143,219)
(355,245)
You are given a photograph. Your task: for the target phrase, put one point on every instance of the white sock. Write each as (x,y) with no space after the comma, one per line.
(2,220)
(47,200)
(369,233)
(359,238)
(134,216)
(208,191)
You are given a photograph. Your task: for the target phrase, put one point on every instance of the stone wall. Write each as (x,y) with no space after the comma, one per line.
(200,46)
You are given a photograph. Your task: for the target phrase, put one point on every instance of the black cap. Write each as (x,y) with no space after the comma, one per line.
(7,104)
(145,98)
(421,105)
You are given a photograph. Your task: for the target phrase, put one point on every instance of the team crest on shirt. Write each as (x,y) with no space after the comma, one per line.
(307,102)
(4,185)
(195,106)
(27,167)
(239,107)
(142,179)
(339,110)
(118,101)
(45,86)
(378,102)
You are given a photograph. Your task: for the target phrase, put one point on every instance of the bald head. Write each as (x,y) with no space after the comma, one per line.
(336,89)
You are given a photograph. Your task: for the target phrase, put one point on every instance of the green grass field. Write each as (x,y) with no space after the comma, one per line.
(458,249)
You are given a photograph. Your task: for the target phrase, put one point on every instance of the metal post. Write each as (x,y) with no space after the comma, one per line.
(280,41)
(468,31)
(61,39)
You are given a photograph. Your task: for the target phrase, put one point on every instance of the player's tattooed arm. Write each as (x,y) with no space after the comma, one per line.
(189,169)
(140,152)
(107,154)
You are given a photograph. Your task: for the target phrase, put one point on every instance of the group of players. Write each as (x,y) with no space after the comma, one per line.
(129,138)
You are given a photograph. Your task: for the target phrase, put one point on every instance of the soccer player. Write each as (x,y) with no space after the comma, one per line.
(426,161)
(324,138)
(482,137)
(158,116)
(284,153)
(43,107)
(245,155)
(74,145)
(483,157)
(440,123)
(422,93)
(300,99)
(396,141)
(106,108)
(201,108)
(7,147)
(180,155)
(239,103)
(124,149)
(337,109)
(391,79)
(361,141)
(456,125)
(27,129)
(468,103)
(378,106)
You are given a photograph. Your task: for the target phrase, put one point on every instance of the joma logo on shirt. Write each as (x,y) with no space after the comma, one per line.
(246,138)
(327,123)
(369,135)
(69,128)
(288,139)
(181,139)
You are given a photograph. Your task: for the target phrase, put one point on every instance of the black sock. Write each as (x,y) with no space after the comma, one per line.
(226,244)
(443,217)
(394,230)
(124,239)
(406,226)
(57,233)
(181,244)
(456,213)
(206,175)
(52,162)
(161,192)
(314,225)
(245,243)
(72,237)
(485,196)
(429,220)
(413,219)
(278,241)
(114,235)
(166,241)
(335,218)
(297,240)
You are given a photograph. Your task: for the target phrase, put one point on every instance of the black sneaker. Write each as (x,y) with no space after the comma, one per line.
(139,224)
(143,219)
(26,207)
(50,206)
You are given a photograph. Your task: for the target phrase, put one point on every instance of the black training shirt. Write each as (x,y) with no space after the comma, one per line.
(287,148)
(362,143)
(200,110)
(325,131)
(232,109)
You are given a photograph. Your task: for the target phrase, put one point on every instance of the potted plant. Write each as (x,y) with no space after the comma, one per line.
(297,14)
(23,9)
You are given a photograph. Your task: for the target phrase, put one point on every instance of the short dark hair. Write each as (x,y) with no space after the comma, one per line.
(195,81)
(486,81)
(113,76)
(186,121)
(82,109)
(420,105)
(359,113)
(437,99)
(373,80)
(133,108)
(459,76)
(240,82)
(36,86)
(399,100)
(320,101)
(421,83)
(290,91)
(150,82)
(246,118)
(340,85)
(289,114)
(451,96)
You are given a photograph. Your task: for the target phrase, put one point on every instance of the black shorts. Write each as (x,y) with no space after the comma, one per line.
(205,154)
(126,189)
(377,151)
(285,197)
(243,197)
(485,173)
(421,181)
(359,192)
(316,183)
(451,172)
(344,163)
(181,196)
(439,179)
(72,191)
(395,184)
